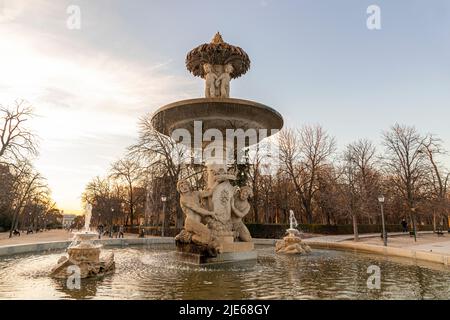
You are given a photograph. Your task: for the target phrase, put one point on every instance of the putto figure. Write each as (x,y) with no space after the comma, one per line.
(210,81)
(196,231)
(240,208)
(223,82)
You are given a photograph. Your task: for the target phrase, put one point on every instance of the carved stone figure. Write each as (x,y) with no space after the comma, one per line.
(210,81)
(223,81)
(240,208)
(198,232)
(220,197)
(291,244)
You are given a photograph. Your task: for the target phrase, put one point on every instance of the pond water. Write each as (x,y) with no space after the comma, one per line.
(153,272)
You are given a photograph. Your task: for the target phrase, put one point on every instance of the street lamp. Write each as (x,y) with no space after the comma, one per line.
(413,218)
(381,201)
(111,224)
(163,199)
(30,224)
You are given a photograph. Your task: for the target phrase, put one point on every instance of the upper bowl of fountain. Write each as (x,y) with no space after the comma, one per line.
(216,113)
(293,232)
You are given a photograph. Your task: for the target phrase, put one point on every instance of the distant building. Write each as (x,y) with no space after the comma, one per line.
(68,220)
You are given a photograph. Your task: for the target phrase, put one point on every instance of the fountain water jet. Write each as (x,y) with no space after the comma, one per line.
(292,243)
(84,253)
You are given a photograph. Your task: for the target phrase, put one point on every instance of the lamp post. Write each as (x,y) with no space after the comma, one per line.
(163,199)
(29,228)
(381,201)
(111,224)
(448,222)
(413,218)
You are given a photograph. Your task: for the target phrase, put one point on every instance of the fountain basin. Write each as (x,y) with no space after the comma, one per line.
(154,272)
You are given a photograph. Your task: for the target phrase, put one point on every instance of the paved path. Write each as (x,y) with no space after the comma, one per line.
(347,237)
(46,236)
(429,247)
(426,242)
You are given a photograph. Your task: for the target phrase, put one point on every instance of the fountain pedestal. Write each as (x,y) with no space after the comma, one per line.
(86,256)
(292,244)
(228,251)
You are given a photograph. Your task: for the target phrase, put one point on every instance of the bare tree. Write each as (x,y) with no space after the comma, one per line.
(128,170)
(162,157)
(27,183)
(303,153)
(16,140)
(438,178)
(405,161)
(359,179)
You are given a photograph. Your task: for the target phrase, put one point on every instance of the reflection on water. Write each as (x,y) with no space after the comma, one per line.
(154,273)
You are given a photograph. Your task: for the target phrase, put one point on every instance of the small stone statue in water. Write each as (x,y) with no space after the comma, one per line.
(292,243)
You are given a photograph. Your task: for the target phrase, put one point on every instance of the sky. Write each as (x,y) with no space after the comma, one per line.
(314,61)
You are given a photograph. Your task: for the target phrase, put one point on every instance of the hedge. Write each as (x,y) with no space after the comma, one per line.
(153,231)
(276,231)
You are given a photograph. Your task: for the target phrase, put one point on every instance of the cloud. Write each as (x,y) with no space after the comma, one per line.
(10,10)
(87,100)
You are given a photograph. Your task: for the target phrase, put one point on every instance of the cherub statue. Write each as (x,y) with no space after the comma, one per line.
(210,81)
(240,208)
(224,81)
(190,204)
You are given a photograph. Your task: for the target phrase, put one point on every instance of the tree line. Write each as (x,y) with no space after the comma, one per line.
(308,175)
(25,198)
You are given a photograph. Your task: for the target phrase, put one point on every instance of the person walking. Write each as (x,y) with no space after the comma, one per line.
(100,231)
(404,225)
(121,231)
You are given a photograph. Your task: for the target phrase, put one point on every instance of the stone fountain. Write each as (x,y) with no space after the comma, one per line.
(85,254)
(292,243)
(213,229)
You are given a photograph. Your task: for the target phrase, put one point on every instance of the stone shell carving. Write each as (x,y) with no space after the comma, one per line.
(217,52)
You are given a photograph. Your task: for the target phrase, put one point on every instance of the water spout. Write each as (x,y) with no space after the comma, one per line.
(87,217)
(292,221)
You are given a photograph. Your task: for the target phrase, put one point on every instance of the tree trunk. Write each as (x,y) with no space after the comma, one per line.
(355,228)
(179,220)
(166,220)
(434,222)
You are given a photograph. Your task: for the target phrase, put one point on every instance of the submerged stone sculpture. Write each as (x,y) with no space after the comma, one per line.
(84,255)
(292,243)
